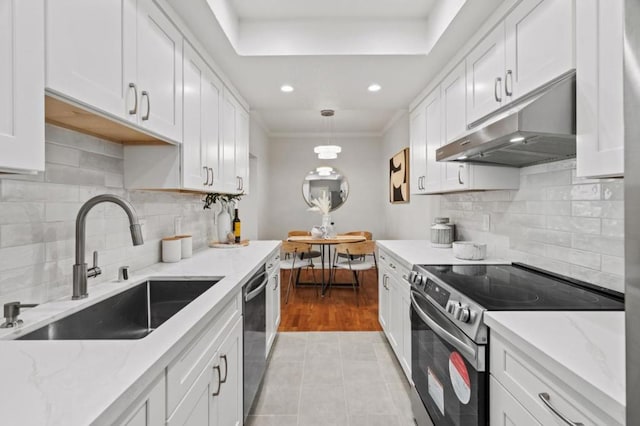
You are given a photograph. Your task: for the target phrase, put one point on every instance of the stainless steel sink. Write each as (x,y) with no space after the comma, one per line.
(132,314)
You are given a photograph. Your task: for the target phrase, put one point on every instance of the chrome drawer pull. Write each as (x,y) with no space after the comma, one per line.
(546,400)
(135,96)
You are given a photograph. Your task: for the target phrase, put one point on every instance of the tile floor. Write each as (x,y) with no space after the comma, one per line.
(332,378)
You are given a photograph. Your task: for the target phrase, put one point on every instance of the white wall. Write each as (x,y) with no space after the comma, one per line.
(409,221)
(251,206)
(290,159)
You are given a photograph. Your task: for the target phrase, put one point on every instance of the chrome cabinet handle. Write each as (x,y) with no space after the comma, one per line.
(508,78)
(226,368)
(146,116)
(497,84)
(241,183)
(206,182)
(217,392)
(211,183)
(135,97)
(276,280)
(460,176)
(546,399)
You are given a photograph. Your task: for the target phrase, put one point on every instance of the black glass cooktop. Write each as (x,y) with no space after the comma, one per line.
(520,287)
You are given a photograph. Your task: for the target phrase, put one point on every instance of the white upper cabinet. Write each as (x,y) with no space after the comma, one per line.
(485,75)
(454,124)
(533,45)
(159,72)
(202,91)
(418,149)
(432,182)
(539,44)
(91,53)
(599,91)
(234,146)
(120,58)
(21,85)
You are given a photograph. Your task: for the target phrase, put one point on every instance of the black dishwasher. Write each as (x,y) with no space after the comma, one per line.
(255,335)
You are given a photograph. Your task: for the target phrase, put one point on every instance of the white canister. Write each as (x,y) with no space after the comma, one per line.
(187,245)
(171,249)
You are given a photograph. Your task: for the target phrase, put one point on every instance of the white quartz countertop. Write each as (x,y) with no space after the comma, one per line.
(85,382)
(417,252)
(585,350)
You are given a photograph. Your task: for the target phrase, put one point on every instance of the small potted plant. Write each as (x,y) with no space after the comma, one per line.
(223,219)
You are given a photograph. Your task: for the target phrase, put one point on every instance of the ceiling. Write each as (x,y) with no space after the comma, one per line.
(330,52)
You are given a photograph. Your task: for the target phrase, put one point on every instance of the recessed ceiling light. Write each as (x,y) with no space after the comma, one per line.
(286,88)
(517,139)
(374,87)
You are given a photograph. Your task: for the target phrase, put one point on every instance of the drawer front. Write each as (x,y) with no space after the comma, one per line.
(273,263)
(396,267)
(504,410)
(529,383)
(184,370)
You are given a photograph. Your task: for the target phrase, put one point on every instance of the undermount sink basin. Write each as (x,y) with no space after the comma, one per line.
(132,314)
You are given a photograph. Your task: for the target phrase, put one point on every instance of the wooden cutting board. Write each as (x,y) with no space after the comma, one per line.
(218,244)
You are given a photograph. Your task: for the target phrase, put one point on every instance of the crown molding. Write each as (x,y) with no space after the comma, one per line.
(310,135)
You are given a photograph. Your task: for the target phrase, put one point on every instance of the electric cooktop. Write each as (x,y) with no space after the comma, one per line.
(522,287)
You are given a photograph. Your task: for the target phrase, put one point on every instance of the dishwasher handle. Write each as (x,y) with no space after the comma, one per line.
(253,293)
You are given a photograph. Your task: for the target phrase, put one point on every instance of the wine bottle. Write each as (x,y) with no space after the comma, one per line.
(236,227)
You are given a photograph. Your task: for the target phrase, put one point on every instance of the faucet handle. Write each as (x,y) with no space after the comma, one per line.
(95,270)
(11,312)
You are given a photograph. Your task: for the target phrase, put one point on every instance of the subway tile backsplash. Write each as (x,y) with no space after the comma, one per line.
(37,218)
(557,221)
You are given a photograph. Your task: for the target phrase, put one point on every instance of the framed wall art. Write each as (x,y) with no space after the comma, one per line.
(399,177)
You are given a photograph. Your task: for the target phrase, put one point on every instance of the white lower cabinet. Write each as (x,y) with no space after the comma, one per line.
(526,393)
(151,410)
(504,410)
(394,308)
(273,300)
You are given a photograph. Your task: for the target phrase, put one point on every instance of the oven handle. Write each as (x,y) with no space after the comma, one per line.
(440,330)
(256,291)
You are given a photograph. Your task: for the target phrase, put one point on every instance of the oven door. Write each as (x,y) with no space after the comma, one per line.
(448,369)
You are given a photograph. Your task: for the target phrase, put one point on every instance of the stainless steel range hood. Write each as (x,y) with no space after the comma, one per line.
(537,129)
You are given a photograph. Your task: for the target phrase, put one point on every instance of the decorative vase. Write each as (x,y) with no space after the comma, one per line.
(327,227)
(224,225)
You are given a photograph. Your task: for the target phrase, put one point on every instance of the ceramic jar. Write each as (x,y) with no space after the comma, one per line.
(442,233)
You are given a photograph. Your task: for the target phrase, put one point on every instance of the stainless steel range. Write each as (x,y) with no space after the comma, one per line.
(450,342)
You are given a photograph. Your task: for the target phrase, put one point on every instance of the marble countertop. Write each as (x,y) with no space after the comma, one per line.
(416,252)
(585,350)
(85,381)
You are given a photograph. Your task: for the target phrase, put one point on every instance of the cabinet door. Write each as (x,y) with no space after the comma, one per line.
(91,53)
(151,411)
(599,91)
(201,115)
(432,181)
(228,178)
(242,149)
(21,85)
(199,407)
(395,316)
(485,75)
(505,410)
(406,336)
(418,149)
(273,308)
(159,71)
(383,300)
(538,44)
(230,409)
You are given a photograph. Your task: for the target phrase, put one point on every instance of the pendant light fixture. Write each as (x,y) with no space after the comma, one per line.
(328,151)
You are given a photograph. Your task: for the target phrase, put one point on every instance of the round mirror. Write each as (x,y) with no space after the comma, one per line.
(327,181)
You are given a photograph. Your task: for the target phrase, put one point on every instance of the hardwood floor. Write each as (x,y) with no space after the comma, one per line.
(337,311)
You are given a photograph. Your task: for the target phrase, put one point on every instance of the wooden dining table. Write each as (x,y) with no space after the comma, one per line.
(326,242)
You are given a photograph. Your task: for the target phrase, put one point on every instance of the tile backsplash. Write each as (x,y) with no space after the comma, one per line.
(556,221)
(37,218)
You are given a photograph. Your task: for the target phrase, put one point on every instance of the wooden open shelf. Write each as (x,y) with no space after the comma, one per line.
(71,116)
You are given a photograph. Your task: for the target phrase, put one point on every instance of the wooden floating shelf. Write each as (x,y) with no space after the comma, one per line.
(74,117)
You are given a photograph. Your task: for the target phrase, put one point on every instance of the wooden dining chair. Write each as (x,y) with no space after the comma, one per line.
(355,260)
(293,261)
